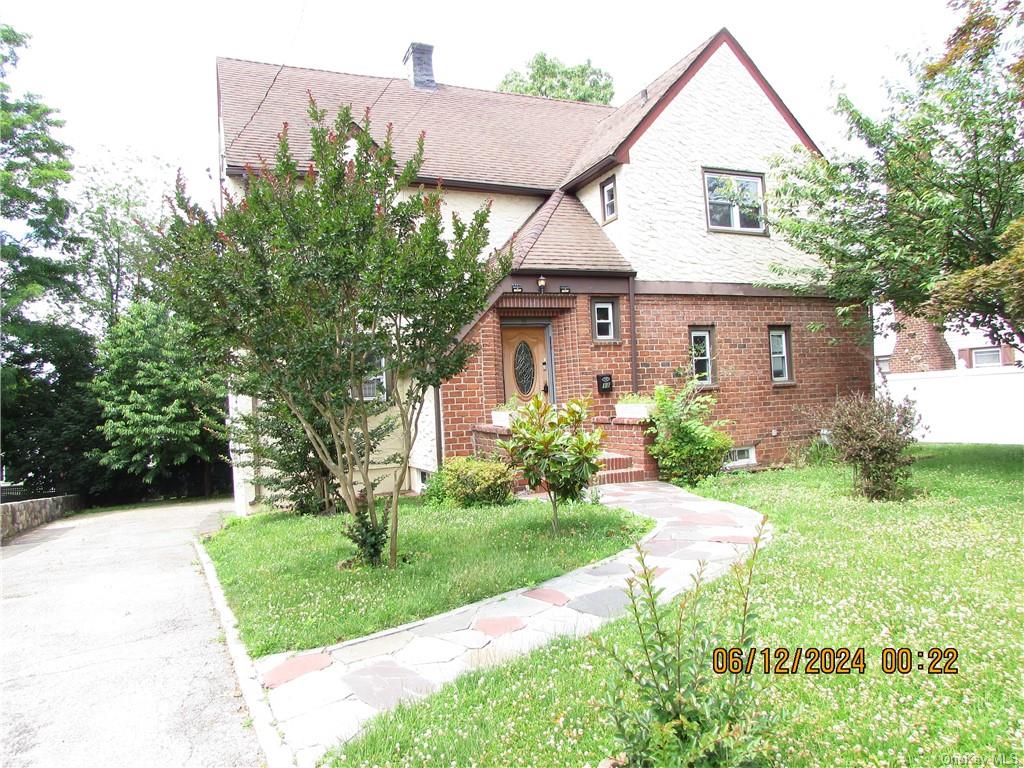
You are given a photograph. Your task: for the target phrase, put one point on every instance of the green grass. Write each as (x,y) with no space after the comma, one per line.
(280,572)
(941,569)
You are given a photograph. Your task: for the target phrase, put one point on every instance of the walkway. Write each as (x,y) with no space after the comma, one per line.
(321,697)
(111,648)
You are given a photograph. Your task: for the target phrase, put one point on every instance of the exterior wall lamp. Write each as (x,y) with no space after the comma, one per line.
(541,282)
(564,289)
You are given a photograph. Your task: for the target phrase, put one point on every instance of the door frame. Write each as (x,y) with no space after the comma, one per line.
(531,322)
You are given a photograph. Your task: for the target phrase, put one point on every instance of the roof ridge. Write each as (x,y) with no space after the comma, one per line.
(611,109)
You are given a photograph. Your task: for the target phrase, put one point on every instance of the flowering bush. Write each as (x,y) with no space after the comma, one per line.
(872,434)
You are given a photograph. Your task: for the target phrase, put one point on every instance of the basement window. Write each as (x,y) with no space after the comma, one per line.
(741,457)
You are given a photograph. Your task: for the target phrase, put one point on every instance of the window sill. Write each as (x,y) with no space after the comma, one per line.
(783,384)
(610,219)
(709,386)
(607,342)
(731,231)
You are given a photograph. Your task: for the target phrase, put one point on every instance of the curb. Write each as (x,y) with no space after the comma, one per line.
(275,751)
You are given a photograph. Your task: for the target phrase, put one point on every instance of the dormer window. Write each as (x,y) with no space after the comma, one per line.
(609,200)
(735,202)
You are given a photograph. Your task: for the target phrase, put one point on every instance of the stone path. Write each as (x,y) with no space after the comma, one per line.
(322,697)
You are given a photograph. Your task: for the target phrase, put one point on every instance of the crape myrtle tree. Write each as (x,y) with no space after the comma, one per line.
(322,277)
(924,221)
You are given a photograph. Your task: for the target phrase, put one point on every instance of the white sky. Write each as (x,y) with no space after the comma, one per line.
(139,77)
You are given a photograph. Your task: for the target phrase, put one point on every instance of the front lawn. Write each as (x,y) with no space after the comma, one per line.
(280,571)
(942,569)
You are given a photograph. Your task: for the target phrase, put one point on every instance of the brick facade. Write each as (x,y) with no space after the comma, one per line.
(920,346)
(771,417)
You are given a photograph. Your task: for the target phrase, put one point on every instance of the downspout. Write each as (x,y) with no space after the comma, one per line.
(438,438)
(633,360)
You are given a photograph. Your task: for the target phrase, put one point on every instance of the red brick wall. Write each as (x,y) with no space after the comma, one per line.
(746,394)
(920,346)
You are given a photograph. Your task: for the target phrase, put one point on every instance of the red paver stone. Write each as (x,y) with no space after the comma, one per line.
(546,595)
(732,539)
(498,625)
(295,667)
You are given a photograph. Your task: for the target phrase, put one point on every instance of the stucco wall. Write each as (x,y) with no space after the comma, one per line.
(508,212)
(721,119)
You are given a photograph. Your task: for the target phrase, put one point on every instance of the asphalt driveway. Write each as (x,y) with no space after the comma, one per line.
(111,651)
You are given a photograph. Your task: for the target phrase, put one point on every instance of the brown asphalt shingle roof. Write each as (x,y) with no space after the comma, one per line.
(474,136)
(562,235)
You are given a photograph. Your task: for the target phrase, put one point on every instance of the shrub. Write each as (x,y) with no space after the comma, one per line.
(467,481)
(369,539)
(872,434)
(686,447)
(632,398)
(671,708)
(553,449)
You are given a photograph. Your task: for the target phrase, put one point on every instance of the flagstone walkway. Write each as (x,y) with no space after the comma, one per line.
(323,696)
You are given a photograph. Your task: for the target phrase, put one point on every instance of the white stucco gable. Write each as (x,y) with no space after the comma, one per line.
(723,119)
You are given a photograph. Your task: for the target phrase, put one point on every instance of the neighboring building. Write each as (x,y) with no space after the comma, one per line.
(966,389)
(640,242)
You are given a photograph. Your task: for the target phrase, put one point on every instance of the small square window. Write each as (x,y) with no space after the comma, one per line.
(609,200)
(884,363)
(779,352)
(702,354)
(735,201)
(605,321)
(983,358)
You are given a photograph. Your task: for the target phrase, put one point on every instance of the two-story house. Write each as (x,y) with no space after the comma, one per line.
(638,238)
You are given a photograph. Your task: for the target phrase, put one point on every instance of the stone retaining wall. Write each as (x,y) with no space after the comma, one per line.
(19,516)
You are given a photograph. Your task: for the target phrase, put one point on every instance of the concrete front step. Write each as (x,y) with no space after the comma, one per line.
(605,476)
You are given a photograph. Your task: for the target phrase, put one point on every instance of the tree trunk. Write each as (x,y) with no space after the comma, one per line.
(554,512)
(207,480)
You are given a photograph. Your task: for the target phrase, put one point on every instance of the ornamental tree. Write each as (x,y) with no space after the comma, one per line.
(335,289)
(553,450)
(929,205)
(547,76)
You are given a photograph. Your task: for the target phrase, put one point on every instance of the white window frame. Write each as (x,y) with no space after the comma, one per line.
(787,367)
(735,463)
(997,363)
(381,385)
(884,363)
(709,354)
(609,186)
(610,306)
(735,224)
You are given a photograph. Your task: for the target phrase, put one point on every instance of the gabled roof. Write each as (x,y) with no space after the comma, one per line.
(615,134)
(473,137)
(562,236)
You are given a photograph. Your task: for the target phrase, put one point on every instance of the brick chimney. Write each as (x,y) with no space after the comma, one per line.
(420,61)
(920,346)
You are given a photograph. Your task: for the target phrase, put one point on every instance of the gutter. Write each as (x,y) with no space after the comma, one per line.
(633,360)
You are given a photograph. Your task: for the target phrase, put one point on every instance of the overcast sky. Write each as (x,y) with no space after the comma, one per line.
(139,77)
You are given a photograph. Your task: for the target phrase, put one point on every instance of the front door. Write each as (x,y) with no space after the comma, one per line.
(525,356)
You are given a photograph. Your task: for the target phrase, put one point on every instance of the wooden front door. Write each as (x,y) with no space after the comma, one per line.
(525,357)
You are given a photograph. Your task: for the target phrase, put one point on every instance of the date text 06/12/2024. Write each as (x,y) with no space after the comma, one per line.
(831,661)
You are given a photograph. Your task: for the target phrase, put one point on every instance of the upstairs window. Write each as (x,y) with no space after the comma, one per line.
(374,387)
(735,202)
(609,200)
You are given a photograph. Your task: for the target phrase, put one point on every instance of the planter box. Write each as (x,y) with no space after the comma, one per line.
(634,410)
(501,418)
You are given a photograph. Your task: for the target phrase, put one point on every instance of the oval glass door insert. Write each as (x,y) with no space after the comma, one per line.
(525,368)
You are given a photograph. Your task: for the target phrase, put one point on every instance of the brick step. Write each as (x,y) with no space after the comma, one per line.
(611,460)
(605,476)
